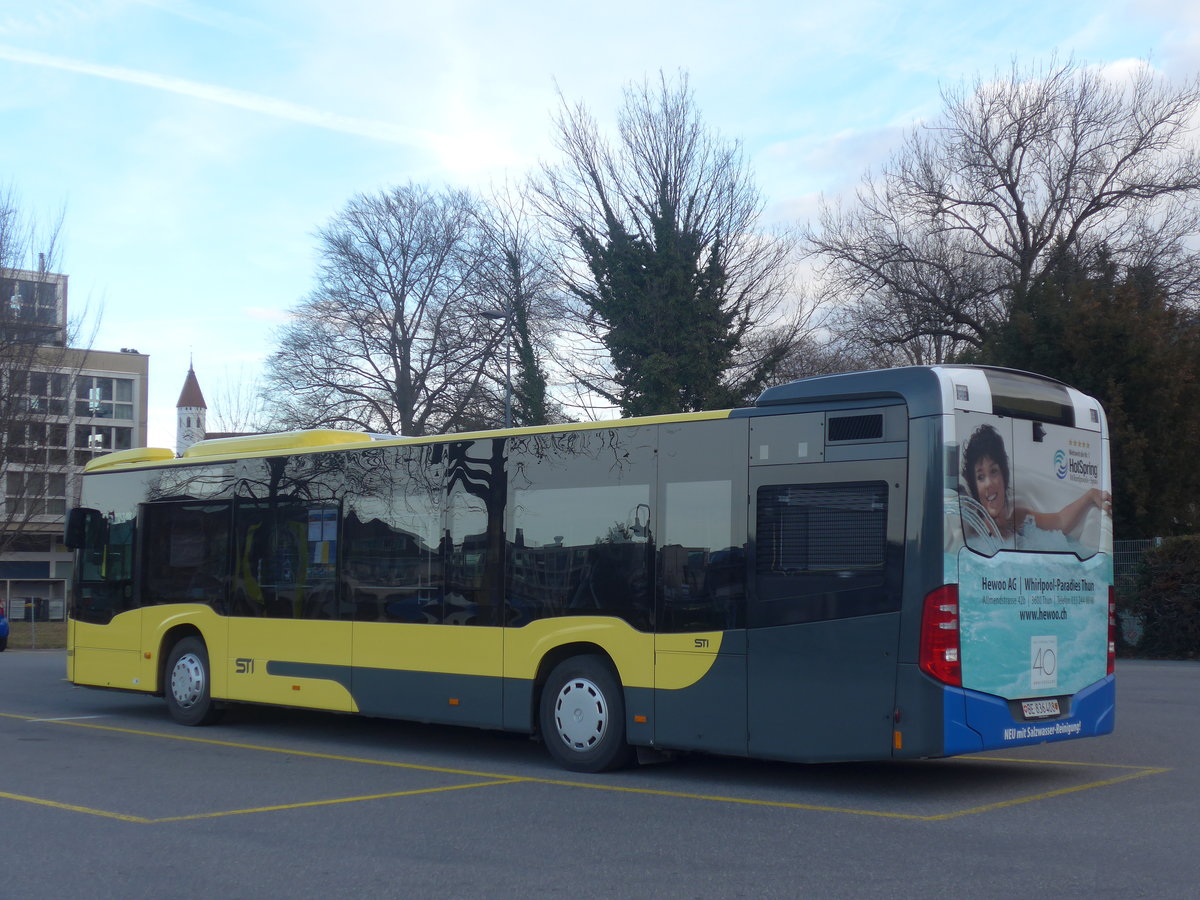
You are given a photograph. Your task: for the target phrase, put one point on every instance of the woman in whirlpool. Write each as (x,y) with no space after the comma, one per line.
(985,469)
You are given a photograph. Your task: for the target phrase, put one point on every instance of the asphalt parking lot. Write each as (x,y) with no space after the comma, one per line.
(101,795)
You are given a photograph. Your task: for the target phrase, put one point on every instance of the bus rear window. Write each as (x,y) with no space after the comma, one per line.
(1022,397)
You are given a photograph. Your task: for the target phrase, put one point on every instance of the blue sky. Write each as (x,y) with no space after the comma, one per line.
(197,145)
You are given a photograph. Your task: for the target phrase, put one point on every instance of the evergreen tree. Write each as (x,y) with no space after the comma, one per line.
(669,337)
(1114,335)
(531,403)
(679,295)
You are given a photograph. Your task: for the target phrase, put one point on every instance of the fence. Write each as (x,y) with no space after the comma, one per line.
(1127,555)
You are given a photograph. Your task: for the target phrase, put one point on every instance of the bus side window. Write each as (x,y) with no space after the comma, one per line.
(391,564)
(702,574)
(581,551)
(187,553)
(285,559)
(104,582)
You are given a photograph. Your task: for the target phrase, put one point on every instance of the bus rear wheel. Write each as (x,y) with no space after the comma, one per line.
(582,716)
(189,699)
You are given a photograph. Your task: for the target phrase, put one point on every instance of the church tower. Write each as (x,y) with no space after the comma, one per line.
(191,410)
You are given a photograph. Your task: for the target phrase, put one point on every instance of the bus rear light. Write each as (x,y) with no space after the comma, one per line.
(1112,629)
(939,656)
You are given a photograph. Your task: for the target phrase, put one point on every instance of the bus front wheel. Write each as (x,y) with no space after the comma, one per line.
(189,699)
(582,716)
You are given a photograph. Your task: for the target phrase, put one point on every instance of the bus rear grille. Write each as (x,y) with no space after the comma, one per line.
(856,428)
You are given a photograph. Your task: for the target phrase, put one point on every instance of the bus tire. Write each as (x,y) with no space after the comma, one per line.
(188,684)
(582,716)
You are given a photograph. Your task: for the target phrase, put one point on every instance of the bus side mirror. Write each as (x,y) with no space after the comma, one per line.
(76,528)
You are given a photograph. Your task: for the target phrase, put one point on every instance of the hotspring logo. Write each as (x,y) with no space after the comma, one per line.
(1074,464)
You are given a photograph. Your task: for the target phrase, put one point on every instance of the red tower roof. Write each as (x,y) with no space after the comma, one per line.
(191,395)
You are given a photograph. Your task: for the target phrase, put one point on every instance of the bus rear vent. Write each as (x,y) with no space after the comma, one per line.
(856,428)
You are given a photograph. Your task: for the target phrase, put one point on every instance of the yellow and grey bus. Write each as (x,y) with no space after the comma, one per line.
(897,564)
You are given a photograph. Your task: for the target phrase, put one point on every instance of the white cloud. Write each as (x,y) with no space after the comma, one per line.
(269,106)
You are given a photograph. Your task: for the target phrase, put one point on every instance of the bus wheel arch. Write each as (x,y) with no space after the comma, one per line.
(187,680)
(166,644)
(581,711)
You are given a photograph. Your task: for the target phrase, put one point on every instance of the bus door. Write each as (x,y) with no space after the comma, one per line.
(288,643)
(824,610)
(700,640)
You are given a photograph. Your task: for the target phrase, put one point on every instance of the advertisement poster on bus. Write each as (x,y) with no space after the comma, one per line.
(1035,514)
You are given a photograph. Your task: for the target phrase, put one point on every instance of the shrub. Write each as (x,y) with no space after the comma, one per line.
(1168,600)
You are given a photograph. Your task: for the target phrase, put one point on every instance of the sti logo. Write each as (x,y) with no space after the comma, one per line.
(1060,463)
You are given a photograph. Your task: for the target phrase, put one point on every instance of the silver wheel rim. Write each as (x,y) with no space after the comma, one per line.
(187,680)
(580,714)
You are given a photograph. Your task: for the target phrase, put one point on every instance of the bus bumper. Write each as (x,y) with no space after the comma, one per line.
(975,721)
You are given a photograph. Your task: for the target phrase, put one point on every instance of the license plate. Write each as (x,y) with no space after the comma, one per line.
(1039,709)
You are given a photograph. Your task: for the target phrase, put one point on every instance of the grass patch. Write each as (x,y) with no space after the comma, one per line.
(37,636)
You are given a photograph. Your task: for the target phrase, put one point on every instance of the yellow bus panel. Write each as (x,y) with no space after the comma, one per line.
(111,655)
(681,660)
(446,649)
(265,661)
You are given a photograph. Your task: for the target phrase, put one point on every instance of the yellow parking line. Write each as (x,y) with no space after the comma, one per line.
(495,778)
(882,814)
(142,820)
(335,801)
(71,807)
(263,749)
(1056,762)
(1049,794)
(719,798)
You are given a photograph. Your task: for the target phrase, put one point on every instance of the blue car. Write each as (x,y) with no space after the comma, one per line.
(3,628)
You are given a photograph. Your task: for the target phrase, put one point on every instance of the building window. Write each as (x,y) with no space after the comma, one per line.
(93,439)
(45,393)
(35,493)
(36,443)
(104,398)
(31,301)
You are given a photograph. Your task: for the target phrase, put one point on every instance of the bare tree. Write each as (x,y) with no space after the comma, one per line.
(239,405)
(38,373)
(679,295)
(517,277)
(929,256)
(392,339)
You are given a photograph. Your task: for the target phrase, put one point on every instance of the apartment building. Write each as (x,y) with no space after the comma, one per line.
(61,405)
